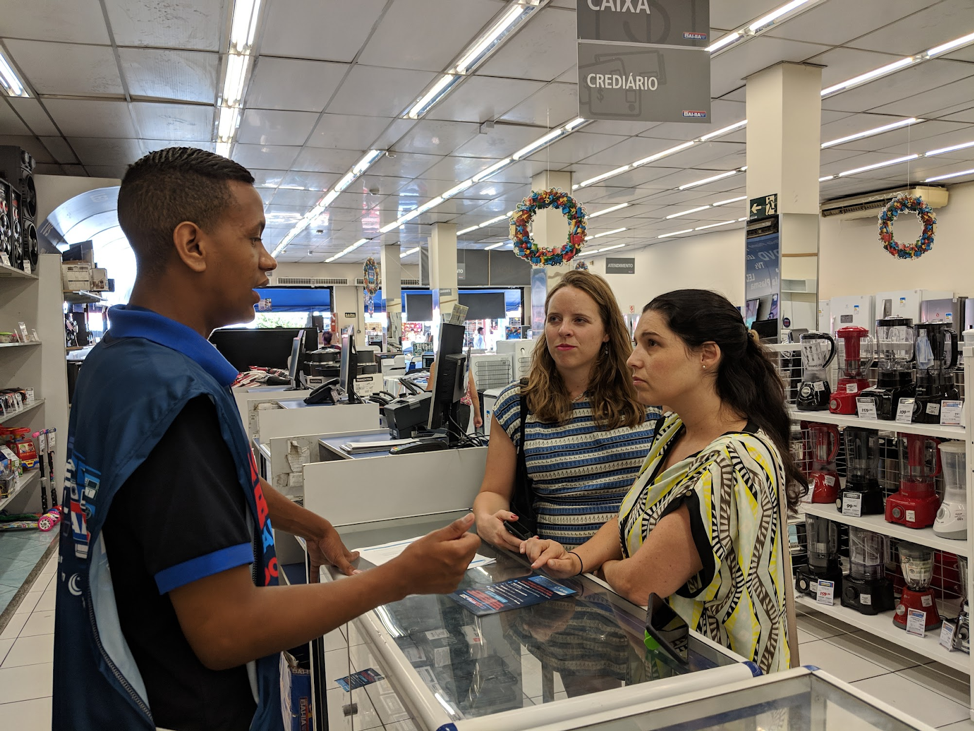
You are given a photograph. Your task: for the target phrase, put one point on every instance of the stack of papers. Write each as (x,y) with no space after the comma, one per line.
(384,553)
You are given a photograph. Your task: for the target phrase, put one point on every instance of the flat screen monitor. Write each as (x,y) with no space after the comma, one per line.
(773,314)
(294,361)
(263,347)
(448,380)
(767,330)
(751,311)
(346,371)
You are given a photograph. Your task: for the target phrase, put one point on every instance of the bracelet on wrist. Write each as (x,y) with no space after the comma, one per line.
(581,564)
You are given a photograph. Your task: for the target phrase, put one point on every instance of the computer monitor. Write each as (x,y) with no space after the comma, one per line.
(294,361)
(773,314)
(347,367)
(449,382)
(262,347)
(751,311)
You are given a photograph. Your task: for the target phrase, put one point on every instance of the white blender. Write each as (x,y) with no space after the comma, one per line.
(951,519)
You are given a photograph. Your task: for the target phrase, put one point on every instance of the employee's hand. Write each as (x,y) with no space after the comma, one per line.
(477,421)
(550,556)
(490,527)
(328,550)
(436,563)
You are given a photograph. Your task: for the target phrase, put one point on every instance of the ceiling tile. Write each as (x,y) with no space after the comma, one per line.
(950,97)
(167,74)
(10,123)
(437,138)
(432,45)
(551,107)
(348,133)
(519,172)
(67,68)
(882,92)
(269,178)
(483,98)
(292,84)
(729,69)
(264,156)
(819,24)
(271,127)
(67,21)
(846,63)
(542,49)
(176,122)
(457,168)
(190,24)
(154,145)
(404,165)
(576,147)
(106,171)
(101,151)
(613,127)
(29,143)
(924,29)
(326,161)
(59,149)
(309,181)
(87,118)
(333,31)
(301,198)
(379,92)
(500,142)
(31,111)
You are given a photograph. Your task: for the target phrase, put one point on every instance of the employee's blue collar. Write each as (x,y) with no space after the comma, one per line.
(128,321)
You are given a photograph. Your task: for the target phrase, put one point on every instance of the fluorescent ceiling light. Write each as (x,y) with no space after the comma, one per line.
(609,248)
(362,165)
(9,80)
(467,230)
(480,49)
(328,198)
(404,254)
(227,128)
(347,179)
(430,204)
(950,45)
(867,168)
(437,92)
(870,132)
(491,170)
(825,177)
(713,225)
(951,175)
(607,210)
(952,148)
(711,179)
(724,131)
(493,220)
(570,127)
(495,246)
(676,233)
(244,26)
(236,79)
(347,250)
(684,213)
(538,143)
(742,218)
(664,153)
(870,75)
(457,189)
(603,176)
(771,17)
(609,233)
(223,148)
(730,200)
(723,41)
(388,227)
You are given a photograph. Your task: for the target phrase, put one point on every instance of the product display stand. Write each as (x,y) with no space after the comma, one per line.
(881,624)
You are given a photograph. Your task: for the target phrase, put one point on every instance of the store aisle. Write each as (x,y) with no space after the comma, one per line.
(19,553)
(927,690)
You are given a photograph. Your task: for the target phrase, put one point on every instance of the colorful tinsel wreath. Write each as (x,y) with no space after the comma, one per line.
(370,276)
(895,207)
(580,264)
(526,248)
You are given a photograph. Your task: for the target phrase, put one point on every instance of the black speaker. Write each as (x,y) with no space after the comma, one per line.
(5,233)
(16,230)
(17,167)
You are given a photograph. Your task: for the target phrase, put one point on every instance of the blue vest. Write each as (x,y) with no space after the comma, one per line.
(131,388)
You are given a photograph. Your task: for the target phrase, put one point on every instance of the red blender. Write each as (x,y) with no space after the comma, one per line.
(916,562)
(916,503)
(852,368)
(823,480)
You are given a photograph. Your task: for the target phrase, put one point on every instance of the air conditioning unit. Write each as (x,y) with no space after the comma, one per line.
(869,205)
(308,281)
(409,282)
(361,281)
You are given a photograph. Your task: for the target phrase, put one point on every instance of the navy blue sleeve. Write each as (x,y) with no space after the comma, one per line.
(183,508)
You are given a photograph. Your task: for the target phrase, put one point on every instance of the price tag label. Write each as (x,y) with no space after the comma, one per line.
(916,622)
(27,269)
(947,636)
(904,412)
(852,504)
(4,259)
(852,388)
(951,412)
(826,592)
(818,386)
(933,409)
(866,408)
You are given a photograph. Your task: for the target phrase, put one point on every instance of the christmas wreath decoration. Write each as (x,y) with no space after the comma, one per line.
(526,248)
(370,277)
(580,264)
(895,207)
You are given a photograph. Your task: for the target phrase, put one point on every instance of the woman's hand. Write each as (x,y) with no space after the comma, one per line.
(552,557)
(490,527)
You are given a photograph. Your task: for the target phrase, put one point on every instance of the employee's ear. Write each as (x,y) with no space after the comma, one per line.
(189,243)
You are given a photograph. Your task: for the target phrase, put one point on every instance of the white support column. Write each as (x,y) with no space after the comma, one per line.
(443,271)
(391,273)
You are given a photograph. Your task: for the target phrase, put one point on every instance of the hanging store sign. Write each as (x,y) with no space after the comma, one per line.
(620,266)
(644,60)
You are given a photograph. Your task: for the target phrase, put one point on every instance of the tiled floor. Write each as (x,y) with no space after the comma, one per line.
(19,553)
(927,690)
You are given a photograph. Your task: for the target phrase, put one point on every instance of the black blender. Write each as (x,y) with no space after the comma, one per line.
(861,494)
(866,589)
(814,393)
(823,556)
(936,356)
(895,354)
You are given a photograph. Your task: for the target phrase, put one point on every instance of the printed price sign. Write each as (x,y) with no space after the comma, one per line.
(904,412)
(947,636)
(951,412)
(866,408)
(826,592)
(916,622)
(852,504)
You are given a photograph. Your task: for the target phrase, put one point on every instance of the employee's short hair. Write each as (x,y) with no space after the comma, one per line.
(166,188)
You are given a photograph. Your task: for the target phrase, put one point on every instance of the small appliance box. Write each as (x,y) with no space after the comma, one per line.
(99,280)
(295,693)
(75,276)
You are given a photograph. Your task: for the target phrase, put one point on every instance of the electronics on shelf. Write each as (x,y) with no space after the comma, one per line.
(862,493)
(916,563)
(866,588)
(951,519)
(855,360)
(818,350)
(823,556)
(894,381)
(916,503)
(823,480)
(936,357)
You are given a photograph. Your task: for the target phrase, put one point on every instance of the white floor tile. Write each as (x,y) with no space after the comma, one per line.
(12,630)
(831,621)
(819,630)
(30,651)
(914,700)
(873,649)
(804,637)
(334,640)
(386,703)
(46,602)
(34,715)
(366,717)
(26,683)
(967,725)
(5,646)
(352,635)
(838,662)
(336,666)
(40,623)
(911,657)
(531,676)
(29,602)
(402,726)
(946,685)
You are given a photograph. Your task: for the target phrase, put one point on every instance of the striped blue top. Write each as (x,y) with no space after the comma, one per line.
(579,472)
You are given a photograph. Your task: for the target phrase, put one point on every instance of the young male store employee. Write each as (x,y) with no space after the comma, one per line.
(169,612)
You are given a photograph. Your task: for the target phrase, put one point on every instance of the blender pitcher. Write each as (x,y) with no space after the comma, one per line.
(895,344)
(951,521)
(823,556)
(823,480)
(936,357)
(814,393)
(962,631)
(916,503)
(866,588)
(856,357)
(916,562)
(862,494)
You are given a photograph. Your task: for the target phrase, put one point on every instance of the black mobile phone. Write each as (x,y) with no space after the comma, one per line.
(666,631)
(517,530)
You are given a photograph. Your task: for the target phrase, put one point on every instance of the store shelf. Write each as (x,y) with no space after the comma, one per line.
(826,417)
(881,625)
(82,298)
(19,345)
(13,415)
(26,481)
(878,524)
(7,271)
